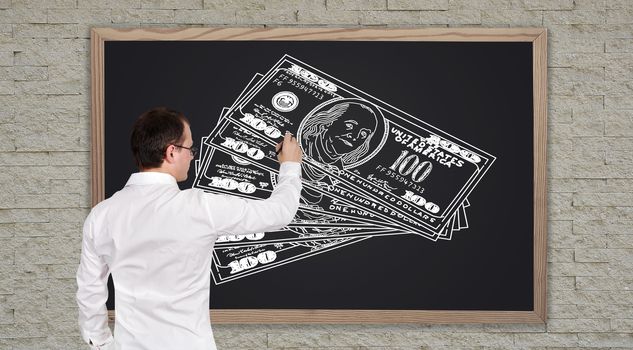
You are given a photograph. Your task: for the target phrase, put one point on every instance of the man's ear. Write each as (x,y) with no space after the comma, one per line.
(169,154)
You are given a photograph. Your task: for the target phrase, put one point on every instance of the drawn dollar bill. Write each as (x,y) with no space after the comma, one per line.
(358,149)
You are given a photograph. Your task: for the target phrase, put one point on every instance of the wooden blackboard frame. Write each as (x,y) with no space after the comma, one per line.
(538,38)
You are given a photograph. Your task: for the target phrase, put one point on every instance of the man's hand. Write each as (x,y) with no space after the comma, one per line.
(288,150)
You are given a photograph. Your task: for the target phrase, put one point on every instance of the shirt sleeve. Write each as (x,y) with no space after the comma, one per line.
(92,290)
(234,215)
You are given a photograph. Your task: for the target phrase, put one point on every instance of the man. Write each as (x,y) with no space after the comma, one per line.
(157,241)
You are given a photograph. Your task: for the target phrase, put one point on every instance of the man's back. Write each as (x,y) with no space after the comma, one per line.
(158,246)
(157,241)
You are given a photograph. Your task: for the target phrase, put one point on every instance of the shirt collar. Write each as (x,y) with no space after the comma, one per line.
(150,178)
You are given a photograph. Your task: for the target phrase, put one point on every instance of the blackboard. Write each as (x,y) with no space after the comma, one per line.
(477,97)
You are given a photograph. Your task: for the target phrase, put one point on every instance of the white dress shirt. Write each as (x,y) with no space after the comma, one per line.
(157,243)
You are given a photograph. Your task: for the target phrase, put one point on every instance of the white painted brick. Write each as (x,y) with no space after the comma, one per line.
(21,73)
(6,315)
(622,325)
(142,16)
(619,72)
(23,330)
(435,5)
(579,59)
(7,251)
(48,229)
(603,283)
(483,4)
(577,185)
(561,283)
(237,5)
(556,311)
(27,272)
(514,328)
(356,4)
(44,58)
(46,109)
(205,16)
(47,250)
(578,325)
(6,231)
(511,17)
(604,143)
(69,214)
(593,227)
(587,74)
(598,88)
(578,45)
(109,4)
(23,215)
(589,5)
(578,269)
(549,340)
(272,17)
(281,4)
(585,298)
(254,340)
(599,255)
(52,200)
(549,4)
(320,17)
(6,58)
(619,241)
(556,255)
(38,4)
(574,17)
(618,185)
(576,103)
(173,4)
(69,44)
(62,270)
(569,240)
(451,17)
(620,16)
(603,199)
(92,16)
(69,158)
(617,128)
(614,340)
(80,187)
(7,87)
(23,15)
(604,311)
(619,45)
(46,30)
(389,17)
(618,101)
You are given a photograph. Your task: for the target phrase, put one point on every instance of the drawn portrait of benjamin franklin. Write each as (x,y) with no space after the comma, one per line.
(339,134)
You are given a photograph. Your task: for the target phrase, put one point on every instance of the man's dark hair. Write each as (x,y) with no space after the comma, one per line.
(153,132)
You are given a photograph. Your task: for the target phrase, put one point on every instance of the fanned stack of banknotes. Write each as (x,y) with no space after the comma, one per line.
(369,169)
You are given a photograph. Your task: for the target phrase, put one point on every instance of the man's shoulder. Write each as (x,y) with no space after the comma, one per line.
(106,203)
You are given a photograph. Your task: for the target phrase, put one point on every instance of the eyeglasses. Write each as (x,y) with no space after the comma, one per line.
(193,149)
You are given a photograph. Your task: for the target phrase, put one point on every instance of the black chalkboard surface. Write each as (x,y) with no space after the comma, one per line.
(451,119)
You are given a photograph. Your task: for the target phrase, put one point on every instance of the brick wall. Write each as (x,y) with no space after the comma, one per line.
(44,164)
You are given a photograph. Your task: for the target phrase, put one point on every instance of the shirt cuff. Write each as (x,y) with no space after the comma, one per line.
(290,168)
